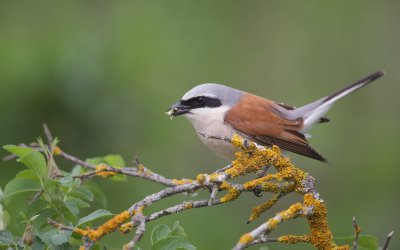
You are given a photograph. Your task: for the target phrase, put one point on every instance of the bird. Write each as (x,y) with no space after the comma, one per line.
(221,112)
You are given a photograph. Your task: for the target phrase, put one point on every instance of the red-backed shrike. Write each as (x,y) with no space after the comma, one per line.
(218,110)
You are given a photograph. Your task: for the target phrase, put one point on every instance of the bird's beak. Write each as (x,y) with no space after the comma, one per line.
(177,109)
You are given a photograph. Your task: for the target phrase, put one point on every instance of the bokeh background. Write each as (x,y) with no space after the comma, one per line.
(102,74)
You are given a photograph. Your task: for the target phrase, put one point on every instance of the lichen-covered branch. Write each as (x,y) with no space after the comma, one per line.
(250,159)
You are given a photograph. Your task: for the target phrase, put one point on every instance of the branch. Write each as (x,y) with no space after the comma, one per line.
(252,158)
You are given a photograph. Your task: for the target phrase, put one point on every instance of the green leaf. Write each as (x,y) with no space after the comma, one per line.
(118,162)
(173,242)
(6,238)
(35,208)
(96,215)
(95,160)
(30,158)
(37,244)
(114,160)
(17,150)
(67,178)
(41,221)
(159,232)
(365,242)
(36,162)
(55,237)
(63,209)
(82,193)
(20,187)
(98,194)
(177,230)
(28,174)
(74,204)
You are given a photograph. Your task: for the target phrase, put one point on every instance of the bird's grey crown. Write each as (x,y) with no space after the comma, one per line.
(227,95)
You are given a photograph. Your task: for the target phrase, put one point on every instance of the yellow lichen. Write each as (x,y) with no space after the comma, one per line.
(252,159)
(57,150)
(258,210)
(126,227)
(293,239)
(237,141)
(290,213)
(246,239)
(140,168)
(272,223)
(232,193)
(320,236)
(188,205)
(181,181)
(102,170)
(201,178)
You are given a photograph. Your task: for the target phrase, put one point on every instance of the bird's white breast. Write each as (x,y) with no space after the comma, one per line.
(210,121)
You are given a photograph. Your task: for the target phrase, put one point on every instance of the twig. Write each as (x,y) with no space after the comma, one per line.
(222,169)
(178,208)
(140,220)
(388,238)
(263,240)
(264,229)
(357,231)
(48,134)
(76,160)
(213,195)
(36,196)
(59,225)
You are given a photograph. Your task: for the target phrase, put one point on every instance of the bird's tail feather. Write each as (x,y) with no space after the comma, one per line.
(313,112)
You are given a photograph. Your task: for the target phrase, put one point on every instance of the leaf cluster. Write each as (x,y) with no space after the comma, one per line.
(43,191)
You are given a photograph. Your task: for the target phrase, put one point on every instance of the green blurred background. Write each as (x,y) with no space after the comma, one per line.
(102,73)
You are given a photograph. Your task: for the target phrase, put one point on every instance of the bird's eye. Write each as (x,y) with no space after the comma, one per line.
(200,100)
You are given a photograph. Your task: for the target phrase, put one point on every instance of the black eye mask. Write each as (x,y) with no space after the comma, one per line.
(201,101)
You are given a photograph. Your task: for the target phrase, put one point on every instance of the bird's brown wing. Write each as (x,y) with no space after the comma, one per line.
(264,122)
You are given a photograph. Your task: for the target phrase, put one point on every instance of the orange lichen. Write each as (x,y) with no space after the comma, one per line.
(293,239)
(57,150)
(102,170)
(246,239)
(232,193)
(82,248)
(109,226)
